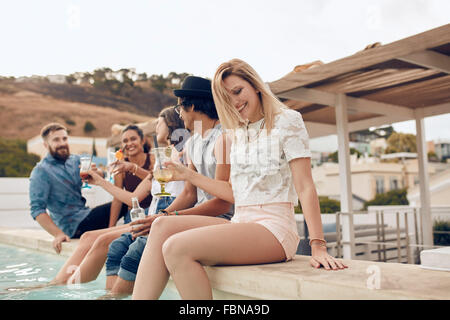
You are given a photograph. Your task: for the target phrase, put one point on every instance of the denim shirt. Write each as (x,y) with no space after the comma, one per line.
(56,185)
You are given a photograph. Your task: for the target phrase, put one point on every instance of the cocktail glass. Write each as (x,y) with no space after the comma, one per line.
(161,173)
(85,164)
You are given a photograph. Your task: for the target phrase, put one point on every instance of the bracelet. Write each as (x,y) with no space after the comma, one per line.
(176,213)
(323,242)
(164,212)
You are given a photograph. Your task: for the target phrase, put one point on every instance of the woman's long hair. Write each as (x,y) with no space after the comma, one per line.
(228,114)
(178,135)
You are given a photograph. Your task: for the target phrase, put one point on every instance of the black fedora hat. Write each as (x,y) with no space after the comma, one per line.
(194,87)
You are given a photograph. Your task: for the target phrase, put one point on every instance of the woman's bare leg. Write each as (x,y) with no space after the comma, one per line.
(119,288)
(95,258)
(186,253)
(152,275)
(86,242)
(110,281)
(122,287)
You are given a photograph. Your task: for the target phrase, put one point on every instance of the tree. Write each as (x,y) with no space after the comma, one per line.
(142,77)
(14,159)
(401,142)
(334,156)
(432,156)
(70,79)
(441,229)
(158,82)
(88,127)
(390,198)
(327,205)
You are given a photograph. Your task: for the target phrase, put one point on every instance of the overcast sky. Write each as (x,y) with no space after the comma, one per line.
(157,37)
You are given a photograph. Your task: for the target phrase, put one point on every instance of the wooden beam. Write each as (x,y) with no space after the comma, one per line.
(436,110)
(370,106)
(374,122)
(359,104)
(310,95)
(429,59)
(363,59)
(316,129)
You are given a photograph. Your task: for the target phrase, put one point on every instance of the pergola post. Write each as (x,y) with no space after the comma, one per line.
(345,178)
(425,199)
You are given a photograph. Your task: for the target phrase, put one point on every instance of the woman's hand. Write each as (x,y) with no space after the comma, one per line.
(94,177)
(141,227)
(320,257)
(121,166)
(175,155)
(179,171)
(98,170)
(149,177)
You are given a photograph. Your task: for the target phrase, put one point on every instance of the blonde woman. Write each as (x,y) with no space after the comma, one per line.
(270,171)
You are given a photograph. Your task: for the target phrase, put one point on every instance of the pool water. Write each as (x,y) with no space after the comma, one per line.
(21,268)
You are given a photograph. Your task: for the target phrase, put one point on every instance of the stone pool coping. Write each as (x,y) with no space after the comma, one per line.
(291,280)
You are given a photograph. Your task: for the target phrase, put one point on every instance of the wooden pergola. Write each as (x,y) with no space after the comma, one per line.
(405,80)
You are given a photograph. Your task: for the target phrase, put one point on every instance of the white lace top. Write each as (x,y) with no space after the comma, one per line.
(260,170)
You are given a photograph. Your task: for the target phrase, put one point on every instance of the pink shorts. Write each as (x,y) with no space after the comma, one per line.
(278,218)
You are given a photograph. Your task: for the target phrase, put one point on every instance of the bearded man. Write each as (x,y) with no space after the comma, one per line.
(55,191)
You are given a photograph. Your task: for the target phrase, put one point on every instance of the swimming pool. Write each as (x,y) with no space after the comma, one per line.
(20,268)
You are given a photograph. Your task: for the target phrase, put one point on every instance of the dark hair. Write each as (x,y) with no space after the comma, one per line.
(203,105)
(51,127)
(173,122)
(140,134)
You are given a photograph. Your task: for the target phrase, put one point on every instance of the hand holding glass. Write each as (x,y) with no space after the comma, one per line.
(85,163)
(161,173)
(113,160)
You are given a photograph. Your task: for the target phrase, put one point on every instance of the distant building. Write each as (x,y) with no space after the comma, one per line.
(370,176)
(33,78)
(56,78)
(442,149)
(370,141)
(439,190)
(377,147)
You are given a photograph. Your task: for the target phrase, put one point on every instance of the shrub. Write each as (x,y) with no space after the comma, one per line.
(14,159)
(327,205)
(70,122)
(335,158)
(393,197)
(441,239)
(89,127)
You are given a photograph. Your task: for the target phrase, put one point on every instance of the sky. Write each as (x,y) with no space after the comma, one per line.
(64,36)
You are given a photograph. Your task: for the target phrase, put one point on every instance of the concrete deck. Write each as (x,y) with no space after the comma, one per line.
(294,279)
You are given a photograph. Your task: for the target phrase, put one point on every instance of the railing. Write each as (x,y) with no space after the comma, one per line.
(391,233)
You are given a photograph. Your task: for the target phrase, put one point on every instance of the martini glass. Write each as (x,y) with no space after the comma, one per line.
(161,173)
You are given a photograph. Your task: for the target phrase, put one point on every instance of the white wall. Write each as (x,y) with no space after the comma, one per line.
(15,202)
